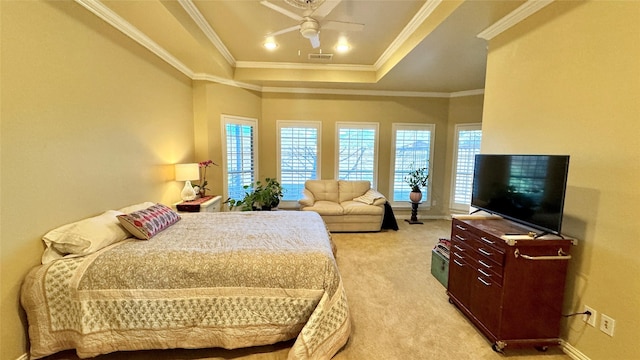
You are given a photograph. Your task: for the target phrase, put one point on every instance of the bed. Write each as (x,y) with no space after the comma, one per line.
(230,280)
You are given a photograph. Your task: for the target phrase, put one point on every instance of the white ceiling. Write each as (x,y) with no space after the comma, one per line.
(405,46)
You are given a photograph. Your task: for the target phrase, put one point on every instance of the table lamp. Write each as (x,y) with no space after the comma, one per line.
(186,173)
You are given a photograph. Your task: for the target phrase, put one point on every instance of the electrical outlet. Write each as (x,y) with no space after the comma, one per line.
(590,319)
(607,324)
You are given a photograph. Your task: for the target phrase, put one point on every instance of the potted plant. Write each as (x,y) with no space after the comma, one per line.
(417,179)
(263,196)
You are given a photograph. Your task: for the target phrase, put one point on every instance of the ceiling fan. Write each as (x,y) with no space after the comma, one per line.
(311,20)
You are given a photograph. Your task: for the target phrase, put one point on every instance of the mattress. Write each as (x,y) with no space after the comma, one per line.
(230,280)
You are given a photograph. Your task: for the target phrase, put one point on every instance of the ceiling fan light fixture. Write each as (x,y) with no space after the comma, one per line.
(309,28)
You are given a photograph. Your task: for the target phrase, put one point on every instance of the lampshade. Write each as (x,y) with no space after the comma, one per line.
(186,172)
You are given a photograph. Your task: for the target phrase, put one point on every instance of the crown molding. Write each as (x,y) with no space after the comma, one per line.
(516,16)
(224,81)
(348,92)
(466,93)
(424,12)
(208,31)
(115,20)
(301,66)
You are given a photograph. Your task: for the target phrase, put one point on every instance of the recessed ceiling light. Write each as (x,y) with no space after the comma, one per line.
(342,47)
(270,44)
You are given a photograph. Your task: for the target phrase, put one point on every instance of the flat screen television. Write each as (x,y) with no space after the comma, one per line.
(527,189)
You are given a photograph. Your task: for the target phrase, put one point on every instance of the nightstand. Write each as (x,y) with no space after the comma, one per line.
(207,204)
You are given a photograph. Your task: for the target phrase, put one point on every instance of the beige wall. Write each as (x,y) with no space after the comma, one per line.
(211,101)
(567,81)
(90,121)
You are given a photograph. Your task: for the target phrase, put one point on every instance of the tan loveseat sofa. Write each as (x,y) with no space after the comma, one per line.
(345,206)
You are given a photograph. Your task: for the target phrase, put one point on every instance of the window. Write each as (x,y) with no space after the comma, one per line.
(529,175)
(240,141)
(411,149)
(357,151)
(298,155)
(467,144)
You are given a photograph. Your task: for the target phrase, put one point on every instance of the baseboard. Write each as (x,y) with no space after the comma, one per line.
(402,217)
(572,352)
(24,356)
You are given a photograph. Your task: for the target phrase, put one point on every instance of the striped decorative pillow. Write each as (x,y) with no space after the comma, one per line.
(144,224)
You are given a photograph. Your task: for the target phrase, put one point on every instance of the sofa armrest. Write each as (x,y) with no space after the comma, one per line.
(307,198)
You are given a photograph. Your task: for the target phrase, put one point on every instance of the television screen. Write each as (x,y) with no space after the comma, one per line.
(528,189)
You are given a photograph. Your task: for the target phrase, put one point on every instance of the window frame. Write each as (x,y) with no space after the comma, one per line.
(426,200)
(280,124)
(453,205)
(358,125)
(237,120)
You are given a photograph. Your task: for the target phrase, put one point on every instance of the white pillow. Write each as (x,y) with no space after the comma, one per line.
(84,237)
(370,197)
(136,207)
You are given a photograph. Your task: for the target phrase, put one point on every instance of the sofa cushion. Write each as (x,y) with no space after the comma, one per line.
(326,190)
(352,189)
(358,208)
(324,207)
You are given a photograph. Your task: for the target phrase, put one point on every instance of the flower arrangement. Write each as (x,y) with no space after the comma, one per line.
(417,179)
(203,181)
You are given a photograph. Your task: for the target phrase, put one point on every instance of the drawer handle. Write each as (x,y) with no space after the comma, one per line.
(488,241)
(458,255)
(486,283)
(483,273)
(459,248)
(460,238)
(485,264)
(561,256)
(461,228)
(484,252)
(458,263)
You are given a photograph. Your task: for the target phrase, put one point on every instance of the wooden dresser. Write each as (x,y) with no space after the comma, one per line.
(510,286)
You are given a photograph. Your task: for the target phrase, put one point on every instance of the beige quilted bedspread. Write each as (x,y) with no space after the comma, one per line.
(230,280)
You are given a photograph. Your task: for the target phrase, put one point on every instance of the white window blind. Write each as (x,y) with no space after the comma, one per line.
(412,149)
(357,151)
(467,145)
(298,155)
(240,147)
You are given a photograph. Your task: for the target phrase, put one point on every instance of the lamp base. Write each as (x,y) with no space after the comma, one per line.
(188,193)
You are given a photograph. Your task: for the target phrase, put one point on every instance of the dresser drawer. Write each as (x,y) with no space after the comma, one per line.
(488,252)
(462,252)
(489,271)
(489,266)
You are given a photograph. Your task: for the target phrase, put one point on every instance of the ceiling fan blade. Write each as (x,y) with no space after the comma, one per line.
(282,11)
(289,29)
(315,41)
(342,26)
(325,9)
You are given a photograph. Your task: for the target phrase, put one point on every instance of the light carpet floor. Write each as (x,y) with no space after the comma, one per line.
(399,310)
